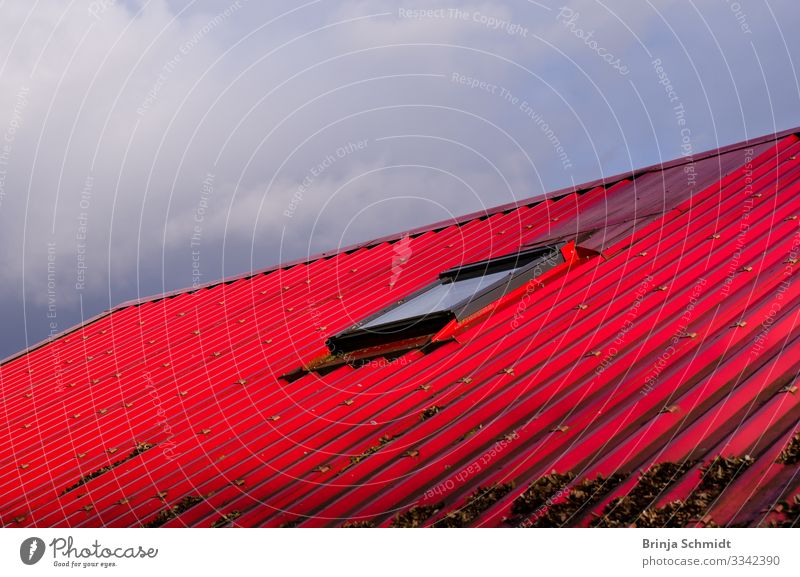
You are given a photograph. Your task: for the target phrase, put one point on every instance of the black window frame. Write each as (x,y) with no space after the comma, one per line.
(543,258)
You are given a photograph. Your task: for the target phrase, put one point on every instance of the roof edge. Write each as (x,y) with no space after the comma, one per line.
(552,195)
(604,181)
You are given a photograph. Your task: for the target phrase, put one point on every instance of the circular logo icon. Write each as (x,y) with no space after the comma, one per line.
(31,551)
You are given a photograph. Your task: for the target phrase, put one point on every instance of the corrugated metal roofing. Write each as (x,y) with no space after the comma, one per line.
(651,384)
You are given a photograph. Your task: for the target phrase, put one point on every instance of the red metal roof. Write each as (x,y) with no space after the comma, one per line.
(661,369)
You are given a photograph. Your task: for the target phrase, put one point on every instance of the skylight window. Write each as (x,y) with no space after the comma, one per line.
(458,293)
(440,297)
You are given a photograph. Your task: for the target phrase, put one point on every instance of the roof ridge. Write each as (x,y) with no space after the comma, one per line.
(433,227)
(529,202)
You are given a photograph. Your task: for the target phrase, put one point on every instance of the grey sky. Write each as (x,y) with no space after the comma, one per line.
(187,141)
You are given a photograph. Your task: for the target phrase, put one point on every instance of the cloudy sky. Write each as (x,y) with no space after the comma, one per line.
(148,146)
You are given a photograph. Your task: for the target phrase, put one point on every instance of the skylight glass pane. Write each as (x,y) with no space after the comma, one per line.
(440,298)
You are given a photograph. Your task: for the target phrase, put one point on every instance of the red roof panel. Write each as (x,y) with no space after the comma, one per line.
(678,343)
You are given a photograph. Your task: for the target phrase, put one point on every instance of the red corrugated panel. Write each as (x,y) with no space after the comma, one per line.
(174,411)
